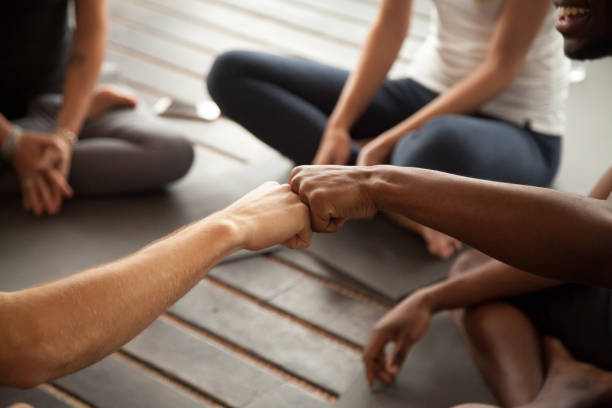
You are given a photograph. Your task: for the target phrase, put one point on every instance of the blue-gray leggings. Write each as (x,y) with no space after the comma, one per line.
(286,102)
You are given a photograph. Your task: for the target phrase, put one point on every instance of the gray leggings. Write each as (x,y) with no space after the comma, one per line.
(286,102)
(122,151)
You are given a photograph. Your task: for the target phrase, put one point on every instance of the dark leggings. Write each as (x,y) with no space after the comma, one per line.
(286,102)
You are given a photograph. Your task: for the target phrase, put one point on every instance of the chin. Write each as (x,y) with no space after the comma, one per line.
(579,50)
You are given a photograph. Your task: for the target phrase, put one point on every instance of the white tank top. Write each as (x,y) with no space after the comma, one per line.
(457,43)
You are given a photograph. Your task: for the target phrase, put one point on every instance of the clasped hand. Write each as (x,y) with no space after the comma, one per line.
(42,162)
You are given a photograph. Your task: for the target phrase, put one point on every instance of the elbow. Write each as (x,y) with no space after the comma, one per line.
(28,355)
(27,365)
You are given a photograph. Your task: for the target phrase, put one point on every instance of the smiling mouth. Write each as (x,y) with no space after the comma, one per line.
(571,19)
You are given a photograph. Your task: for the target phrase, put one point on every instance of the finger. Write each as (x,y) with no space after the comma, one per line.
(35,200)
(26,192)
(45,194)
(59,181)
(294,174)
(373,355)
(398,356)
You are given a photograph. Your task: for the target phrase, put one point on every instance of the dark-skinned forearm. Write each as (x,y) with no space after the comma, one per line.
(546,232)
(492,280)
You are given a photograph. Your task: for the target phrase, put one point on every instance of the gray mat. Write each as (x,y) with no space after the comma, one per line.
(379,254)
(438,373)
(91,231)
(36,397)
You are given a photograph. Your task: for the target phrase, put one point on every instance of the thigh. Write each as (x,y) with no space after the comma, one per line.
(477,147)
(136,126)
(318,84)
(580,316)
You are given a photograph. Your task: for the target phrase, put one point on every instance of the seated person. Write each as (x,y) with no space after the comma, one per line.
(53,329)
(558,236)
(57,134)
(506,315)
(484,97)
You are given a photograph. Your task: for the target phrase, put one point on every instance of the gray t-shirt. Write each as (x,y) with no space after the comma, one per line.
(35,42)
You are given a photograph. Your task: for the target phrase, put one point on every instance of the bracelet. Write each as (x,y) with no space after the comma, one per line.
(9,145)
(68,135)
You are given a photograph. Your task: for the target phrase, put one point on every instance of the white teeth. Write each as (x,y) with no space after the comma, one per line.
(571,11)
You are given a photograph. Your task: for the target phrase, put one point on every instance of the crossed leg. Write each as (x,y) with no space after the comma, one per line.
(521,368)
(569,383)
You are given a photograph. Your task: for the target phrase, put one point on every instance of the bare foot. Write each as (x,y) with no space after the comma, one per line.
(108,98)
(570,383)
(20,405)
(439,244)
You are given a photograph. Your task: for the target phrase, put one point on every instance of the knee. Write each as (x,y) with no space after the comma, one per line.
(179,157)
(224,74)
(171,153)
(437,145)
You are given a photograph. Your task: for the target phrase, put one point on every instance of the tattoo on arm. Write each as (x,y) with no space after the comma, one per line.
(77,59)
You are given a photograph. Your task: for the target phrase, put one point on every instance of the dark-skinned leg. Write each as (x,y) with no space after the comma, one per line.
(503,342)
(569,383)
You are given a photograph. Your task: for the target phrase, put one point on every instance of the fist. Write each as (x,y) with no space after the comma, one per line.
(269,215)
(333,194)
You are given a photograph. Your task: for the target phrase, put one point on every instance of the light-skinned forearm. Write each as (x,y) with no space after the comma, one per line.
(60,327)
(85,63)
(466,97)
(546,232)
(378,54)
(489,281)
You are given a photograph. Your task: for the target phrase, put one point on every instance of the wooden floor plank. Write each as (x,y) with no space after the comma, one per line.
(266,32)
(114,383)
(278,340)
(381,255)
(151,75)
(327,25)
(200,36)
(203,364)
(194,62)
(288,395)
(362,10)
(300,296)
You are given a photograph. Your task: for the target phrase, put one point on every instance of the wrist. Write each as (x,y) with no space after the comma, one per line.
(338,122)
(228,229)
(382,185)
(67,136)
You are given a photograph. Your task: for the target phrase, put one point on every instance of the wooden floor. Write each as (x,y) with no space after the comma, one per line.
(281,329)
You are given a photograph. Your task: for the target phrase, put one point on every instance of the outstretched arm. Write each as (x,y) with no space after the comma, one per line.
(545,232)
(57,328)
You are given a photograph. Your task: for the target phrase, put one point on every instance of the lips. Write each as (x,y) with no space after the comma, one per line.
(572,16)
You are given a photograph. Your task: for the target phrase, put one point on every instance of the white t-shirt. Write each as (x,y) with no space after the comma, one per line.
(457,43)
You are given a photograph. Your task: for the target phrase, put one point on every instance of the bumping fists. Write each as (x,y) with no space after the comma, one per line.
(333,194)
(318,198)
(269,215)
